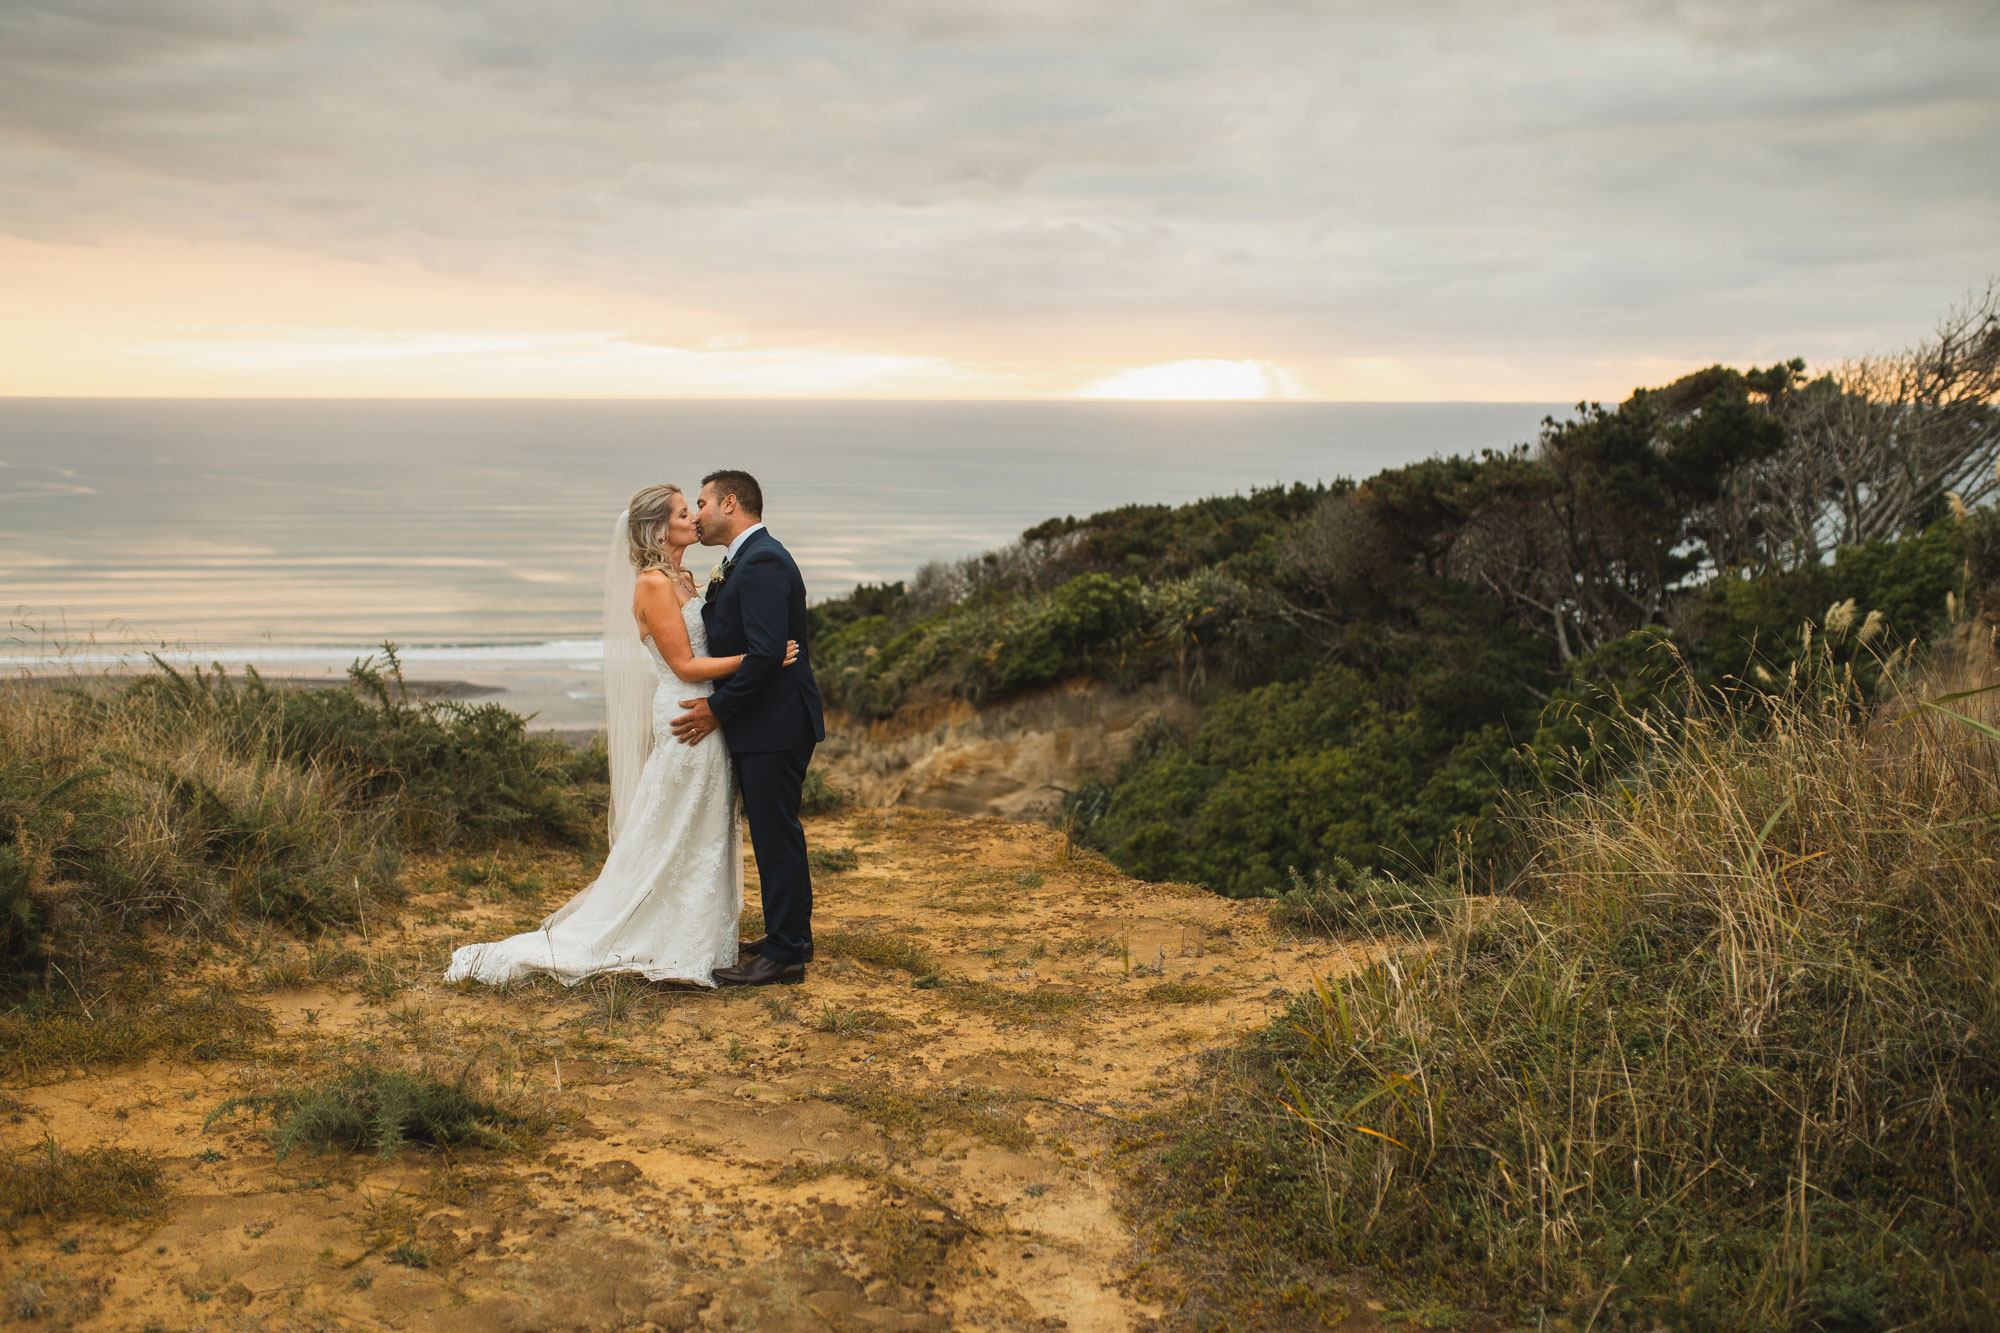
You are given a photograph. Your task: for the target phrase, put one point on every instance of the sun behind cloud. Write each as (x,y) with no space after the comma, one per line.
(1198,379)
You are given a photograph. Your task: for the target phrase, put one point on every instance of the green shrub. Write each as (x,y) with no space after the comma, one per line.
(820,797)
(1338,899)
(1755,629)
(1296,774)
(1080,624)
(367,1107)
(832,860)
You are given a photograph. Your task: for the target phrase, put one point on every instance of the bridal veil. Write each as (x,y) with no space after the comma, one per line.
(628,679)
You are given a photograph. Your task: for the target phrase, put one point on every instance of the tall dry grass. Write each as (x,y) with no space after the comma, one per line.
(1730,1063)
(200,799)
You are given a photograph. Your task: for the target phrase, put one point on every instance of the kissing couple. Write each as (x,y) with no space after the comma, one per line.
(680,664)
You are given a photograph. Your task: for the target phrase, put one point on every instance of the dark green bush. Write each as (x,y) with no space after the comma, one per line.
(1080,624)
(1076,597)
(1755,629)
(1297,774)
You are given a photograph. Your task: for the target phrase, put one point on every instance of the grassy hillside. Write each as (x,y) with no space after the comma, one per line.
(1730,1061)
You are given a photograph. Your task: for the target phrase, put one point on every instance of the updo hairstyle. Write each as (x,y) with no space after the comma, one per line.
(646,528)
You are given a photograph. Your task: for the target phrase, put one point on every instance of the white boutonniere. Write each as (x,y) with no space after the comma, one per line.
(719,573)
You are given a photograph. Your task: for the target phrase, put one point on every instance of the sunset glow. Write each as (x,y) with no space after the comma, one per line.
(989,201)
(1205,379)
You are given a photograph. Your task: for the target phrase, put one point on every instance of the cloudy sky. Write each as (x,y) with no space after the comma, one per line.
(1542,200)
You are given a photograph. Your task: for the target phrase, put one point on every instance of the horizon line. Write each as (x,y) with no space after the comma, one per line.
(747,398)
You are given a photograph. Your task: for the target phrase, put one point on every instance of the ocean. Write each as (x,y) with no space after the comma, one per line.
(299,534)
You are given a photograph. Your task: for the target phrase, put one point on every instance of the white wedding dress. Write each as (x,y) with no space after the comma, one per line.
(667,901)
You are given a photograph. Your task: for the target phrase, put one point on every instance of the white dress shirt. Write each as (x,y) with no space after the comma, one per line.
(741,537)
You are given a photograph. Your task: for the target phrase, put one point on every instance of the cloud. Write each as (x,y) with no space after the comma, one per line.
(1046,192)
(561,365)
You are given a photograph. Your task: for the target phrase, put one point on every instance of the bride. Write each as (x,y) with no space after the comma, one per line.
(667,901)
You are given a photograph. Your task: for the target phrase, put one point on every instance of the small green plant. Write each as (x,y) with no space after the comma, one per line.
(327,962)
(54,1184)
(368,1107)
(820,797)
(411,1255)
(289,973)
(380,980)
(832,860)
(1340,899)
(849,1022)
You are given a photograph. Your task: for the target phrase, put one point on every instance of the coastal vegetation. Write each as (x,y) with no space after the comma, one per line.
(196,799)
(1647,777)
(1726,1058)
(1383,666)
(1656,764)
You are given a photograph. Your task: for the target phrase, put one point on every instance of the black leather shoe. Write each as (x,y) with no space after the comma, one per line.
(755,948)
(761,972)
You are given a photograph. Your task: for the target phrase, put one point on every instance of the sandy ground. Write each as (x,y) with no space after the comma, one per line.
(865,1151)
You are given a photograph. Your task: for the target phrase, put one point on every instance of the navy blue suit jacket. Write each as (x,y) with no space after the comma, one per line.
(766,705)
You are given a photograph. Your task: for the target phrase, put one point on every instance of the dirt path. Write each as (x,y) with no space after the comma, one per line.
(881,1148)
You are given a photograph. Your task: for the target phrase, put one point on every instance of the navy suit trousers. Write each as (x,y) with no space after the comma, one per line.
(771,781)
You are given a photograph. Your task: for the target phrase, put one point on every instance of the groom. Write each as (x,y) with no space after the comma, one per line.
(769,713)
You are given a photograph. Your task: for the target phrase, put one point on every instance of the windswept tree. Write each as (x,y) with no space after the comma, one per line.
(1876,448)
(1583,538)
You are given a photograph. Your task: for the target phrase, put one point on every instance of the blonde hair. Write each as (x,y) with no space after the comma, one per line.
(646,528)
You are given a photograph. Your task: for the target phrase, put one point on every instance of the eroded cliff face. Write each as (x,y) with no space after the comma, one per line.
(1013,759)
